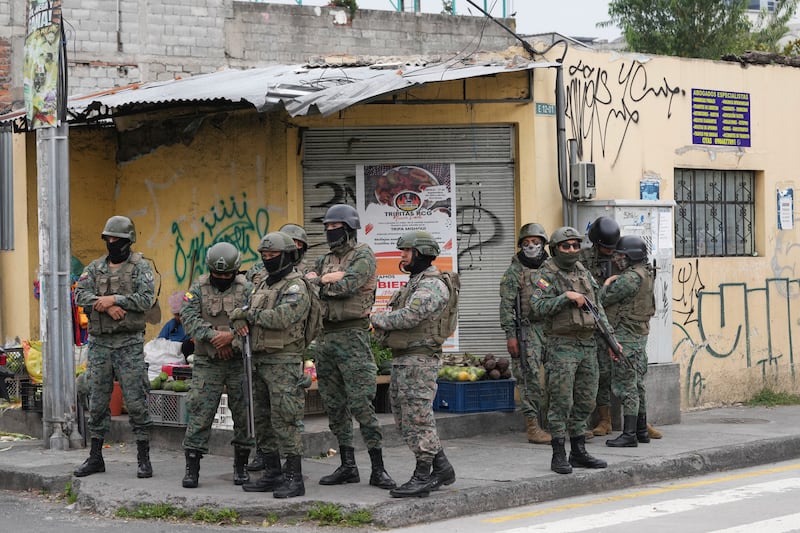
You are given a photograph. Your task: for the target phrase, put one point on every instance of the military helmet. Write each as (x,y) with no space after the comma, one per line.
(295,232)
(604,232)
(633,247)
(277,241)
(119,226)
(531,230)
(344,213)
(422,241)
(223,258)
(564,233)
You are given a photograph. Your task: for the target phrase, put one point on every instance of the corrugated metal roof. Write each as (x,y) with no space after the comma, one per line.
(301,89)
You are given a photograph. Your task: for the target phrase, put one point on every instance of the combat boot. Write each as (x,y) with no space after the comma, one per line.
(95,462)
(628,437)
(240,457)
(536,435)
(558,463)
(604,423)
(292,479)
(192,477)
(419,486)
(579,457)
(347,473)
(379,477)
(653,433)
(272,477)
(443,472)
(643,429)
(144,468)
(259,461)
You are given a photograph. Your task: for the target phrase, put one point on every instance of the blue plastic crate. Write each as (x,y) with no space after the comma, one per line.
(475,396)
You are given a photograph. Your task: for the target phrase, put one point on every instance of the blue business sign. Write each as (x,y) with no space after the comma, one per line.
(720,118)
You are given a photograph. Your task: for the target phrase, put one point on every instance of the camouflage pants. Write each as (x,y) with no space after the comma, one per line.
(283,401)
(127,363)
(572,384)
(412,390)
(528,376)
(346,377)
(604,376)
(266,439)
(210,378)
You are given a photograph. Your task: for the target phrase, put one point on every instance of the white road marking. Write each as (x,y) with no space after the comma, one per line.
(781,524)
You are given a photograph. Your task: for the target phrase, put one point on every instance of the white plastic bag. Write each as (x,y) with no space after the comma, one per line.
(160,352)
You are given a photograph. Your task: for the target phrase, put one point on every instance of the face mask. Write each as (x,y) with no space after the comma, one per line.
(336,237)
(565,261)
(418,264)
(119,250)
(622,261)
(273,265)
(221,284)
(532,251)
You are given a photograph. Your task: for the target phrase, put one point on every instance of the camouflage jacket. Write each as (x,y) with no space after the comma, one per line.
(629,300)
(601,266)
(513,283)
(200,327)
(352,296)
(277,315)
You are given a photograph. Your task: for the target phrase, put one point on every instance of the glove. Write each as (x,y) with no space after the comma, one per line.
(238,314)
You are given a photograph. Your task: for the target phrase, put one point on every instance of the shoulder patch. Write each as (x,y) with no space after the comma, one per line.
(542,283)
(148,276)
(294,288)
(537,293)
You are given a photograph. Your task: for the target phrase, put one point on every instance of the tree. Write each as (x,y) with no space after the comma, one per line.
(698,28)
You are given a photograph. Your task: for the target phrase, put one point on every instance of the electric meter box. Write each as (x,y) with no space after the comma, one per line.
(582,185)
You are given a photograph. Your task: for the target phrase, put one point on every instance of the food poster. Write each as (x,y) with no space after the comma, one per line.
(393,199)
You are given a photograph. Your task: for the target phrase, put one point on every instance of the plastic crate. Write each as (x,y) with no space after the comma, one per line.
(314,404)
(31,395)
(475,396)
(14,386)
(15,360)
(168,408)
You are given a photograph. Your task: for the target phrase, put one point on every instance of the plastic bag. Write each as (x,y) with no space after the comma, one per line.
(33,359)
(160,352)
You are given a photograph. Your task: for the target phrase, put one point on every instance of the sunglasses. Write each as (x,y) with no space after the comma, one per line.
(569,245)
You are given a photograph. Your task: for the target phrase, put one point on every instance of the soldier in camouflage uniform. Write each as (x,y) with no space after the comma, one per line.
(561,287)
(629,302)
(217,360)
(276,321)
(346,370)
(414,327)
(598,259)
(256,274)
(118,289)
(517,284)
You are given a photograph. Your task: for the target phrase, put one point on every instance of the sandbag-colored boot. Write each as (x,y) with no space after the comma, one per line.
(536,435)
(95,462)
(419,486)
(443,472)
(144,468)
(347,472)
(379,477)
(272,477)
(603,426)
(628,437)
(192,477)
(579,457)
(558,463)
(292,485)
(240,458)
(652,432)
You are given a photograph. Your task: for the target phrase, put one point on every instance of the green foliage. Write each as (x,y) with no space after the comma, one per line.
(146,511)
(211,516)
(792,48)
(767,397)
(383,356)
(70,495)
(349,4)
(698,28)
(329,514)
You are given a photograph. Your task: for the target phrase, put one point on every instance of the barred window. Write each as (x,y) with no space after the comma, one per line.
(714,214)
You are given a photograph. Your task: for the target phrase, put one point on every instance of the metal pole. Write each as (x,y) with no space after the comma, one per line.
(561,143)
(60,429)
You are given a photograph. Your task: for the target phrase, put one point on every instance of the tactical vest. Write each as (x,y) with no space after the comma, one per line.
(600,266)
(216,306)
(289,340)
(427,336)
(571,321)
(637,312)
(525,294)
(353,307)
(119,282)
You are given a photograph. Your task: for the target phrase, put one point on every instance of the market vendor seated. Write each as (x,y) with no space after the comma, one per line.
(173,330)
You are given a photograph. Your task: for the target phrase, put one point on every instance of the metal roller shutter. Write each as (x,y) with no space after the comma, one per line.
(484,160)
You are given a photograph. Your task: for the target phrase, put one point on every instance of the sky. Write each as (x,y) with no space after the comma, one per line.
(575,18)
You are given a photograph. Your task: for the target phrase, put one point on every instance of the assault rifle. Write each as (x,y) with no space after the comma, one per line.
(607,336)
(247,385)
(521,344)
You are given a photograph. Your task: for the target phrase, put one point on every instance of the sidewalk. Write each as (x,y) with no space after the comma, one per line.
(495,466)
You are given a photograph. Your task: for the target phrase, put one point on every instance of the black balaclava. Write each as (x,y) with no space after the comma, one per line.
(278,267)
(221,284)
(339,236)
(119,250)
(418,263)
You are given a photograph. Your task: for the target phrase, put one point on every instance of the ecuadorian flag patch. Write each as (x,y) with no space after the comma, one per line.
(542,283)
(187,296)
